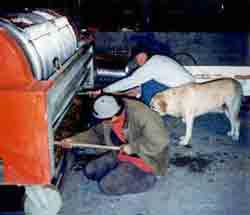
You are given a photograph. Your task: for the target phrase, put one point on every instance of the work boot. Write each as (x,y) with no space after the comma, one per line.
(126,178)
(99,167)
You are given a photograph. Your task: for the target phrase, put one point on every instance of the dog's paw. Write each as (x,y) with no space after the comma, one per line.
(182,138)
(230,133)
(235,137)
(183,141)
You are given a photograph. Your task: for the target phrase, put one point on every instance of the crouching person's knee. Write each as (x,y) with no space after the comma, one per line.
(98,168)
(121,182)
(91,172)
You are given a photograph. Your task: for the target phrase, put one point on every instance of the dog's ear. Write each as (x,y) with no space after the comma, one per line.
(163,105)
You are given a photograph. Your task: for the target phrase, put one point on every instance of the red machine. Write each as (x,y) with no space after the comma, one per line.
(42,66)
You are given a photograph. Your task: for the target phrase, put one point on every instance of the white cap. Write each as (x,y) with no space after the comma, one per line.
(106,107)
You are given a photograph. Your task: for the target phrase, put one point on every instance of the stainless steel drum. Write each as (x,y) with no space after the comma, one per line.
(47,38)
(43,65)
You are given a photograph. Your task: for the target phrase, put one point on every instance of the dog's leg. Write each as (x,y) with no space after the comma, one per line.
(236,126)
(236,135)
(233,112)
(185,140)
(229,133)
(237,106)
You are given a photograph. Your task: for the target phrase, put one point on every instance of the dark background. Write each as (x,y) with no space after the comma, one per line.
(162,15)
(11,198)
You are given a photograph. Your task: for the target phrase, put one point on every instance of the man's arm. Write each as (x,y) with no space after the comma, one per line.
(91,136)
(135,92)
(139,77)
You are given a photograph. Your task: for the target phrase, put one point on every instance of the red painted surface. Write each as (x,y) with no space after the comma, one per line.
(14,67)
(24,146)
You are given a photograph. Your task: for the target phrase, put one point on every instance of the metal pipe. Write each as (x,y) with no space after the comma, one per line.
(85,145)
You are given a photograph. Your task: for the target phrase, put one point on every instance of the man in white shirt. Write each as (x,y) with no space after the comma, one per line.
(153,75)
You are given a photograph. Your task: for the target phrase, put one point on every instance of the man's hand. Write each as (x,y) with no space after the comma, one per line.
(65,143)
(126,148)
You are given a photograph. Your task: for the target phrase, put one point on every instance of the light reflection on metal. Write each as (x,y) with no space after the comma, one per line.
(50,67)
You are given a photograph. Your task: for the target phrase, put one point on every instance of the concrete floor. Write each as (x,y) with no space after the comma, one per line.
(211,178)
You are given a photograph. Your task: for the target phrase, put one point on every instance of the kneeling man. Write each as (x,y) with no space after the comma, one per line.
(142,137)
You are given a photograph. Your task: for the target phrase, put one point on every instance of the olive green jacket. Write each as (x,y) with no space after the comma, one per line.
(144,130)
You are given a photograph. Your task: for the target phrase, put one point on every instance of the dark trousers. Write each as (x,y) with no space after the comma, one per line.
(116,178)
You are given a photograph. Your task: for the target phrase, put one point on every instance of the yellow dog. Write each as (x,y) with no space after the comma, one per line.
(194,99)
